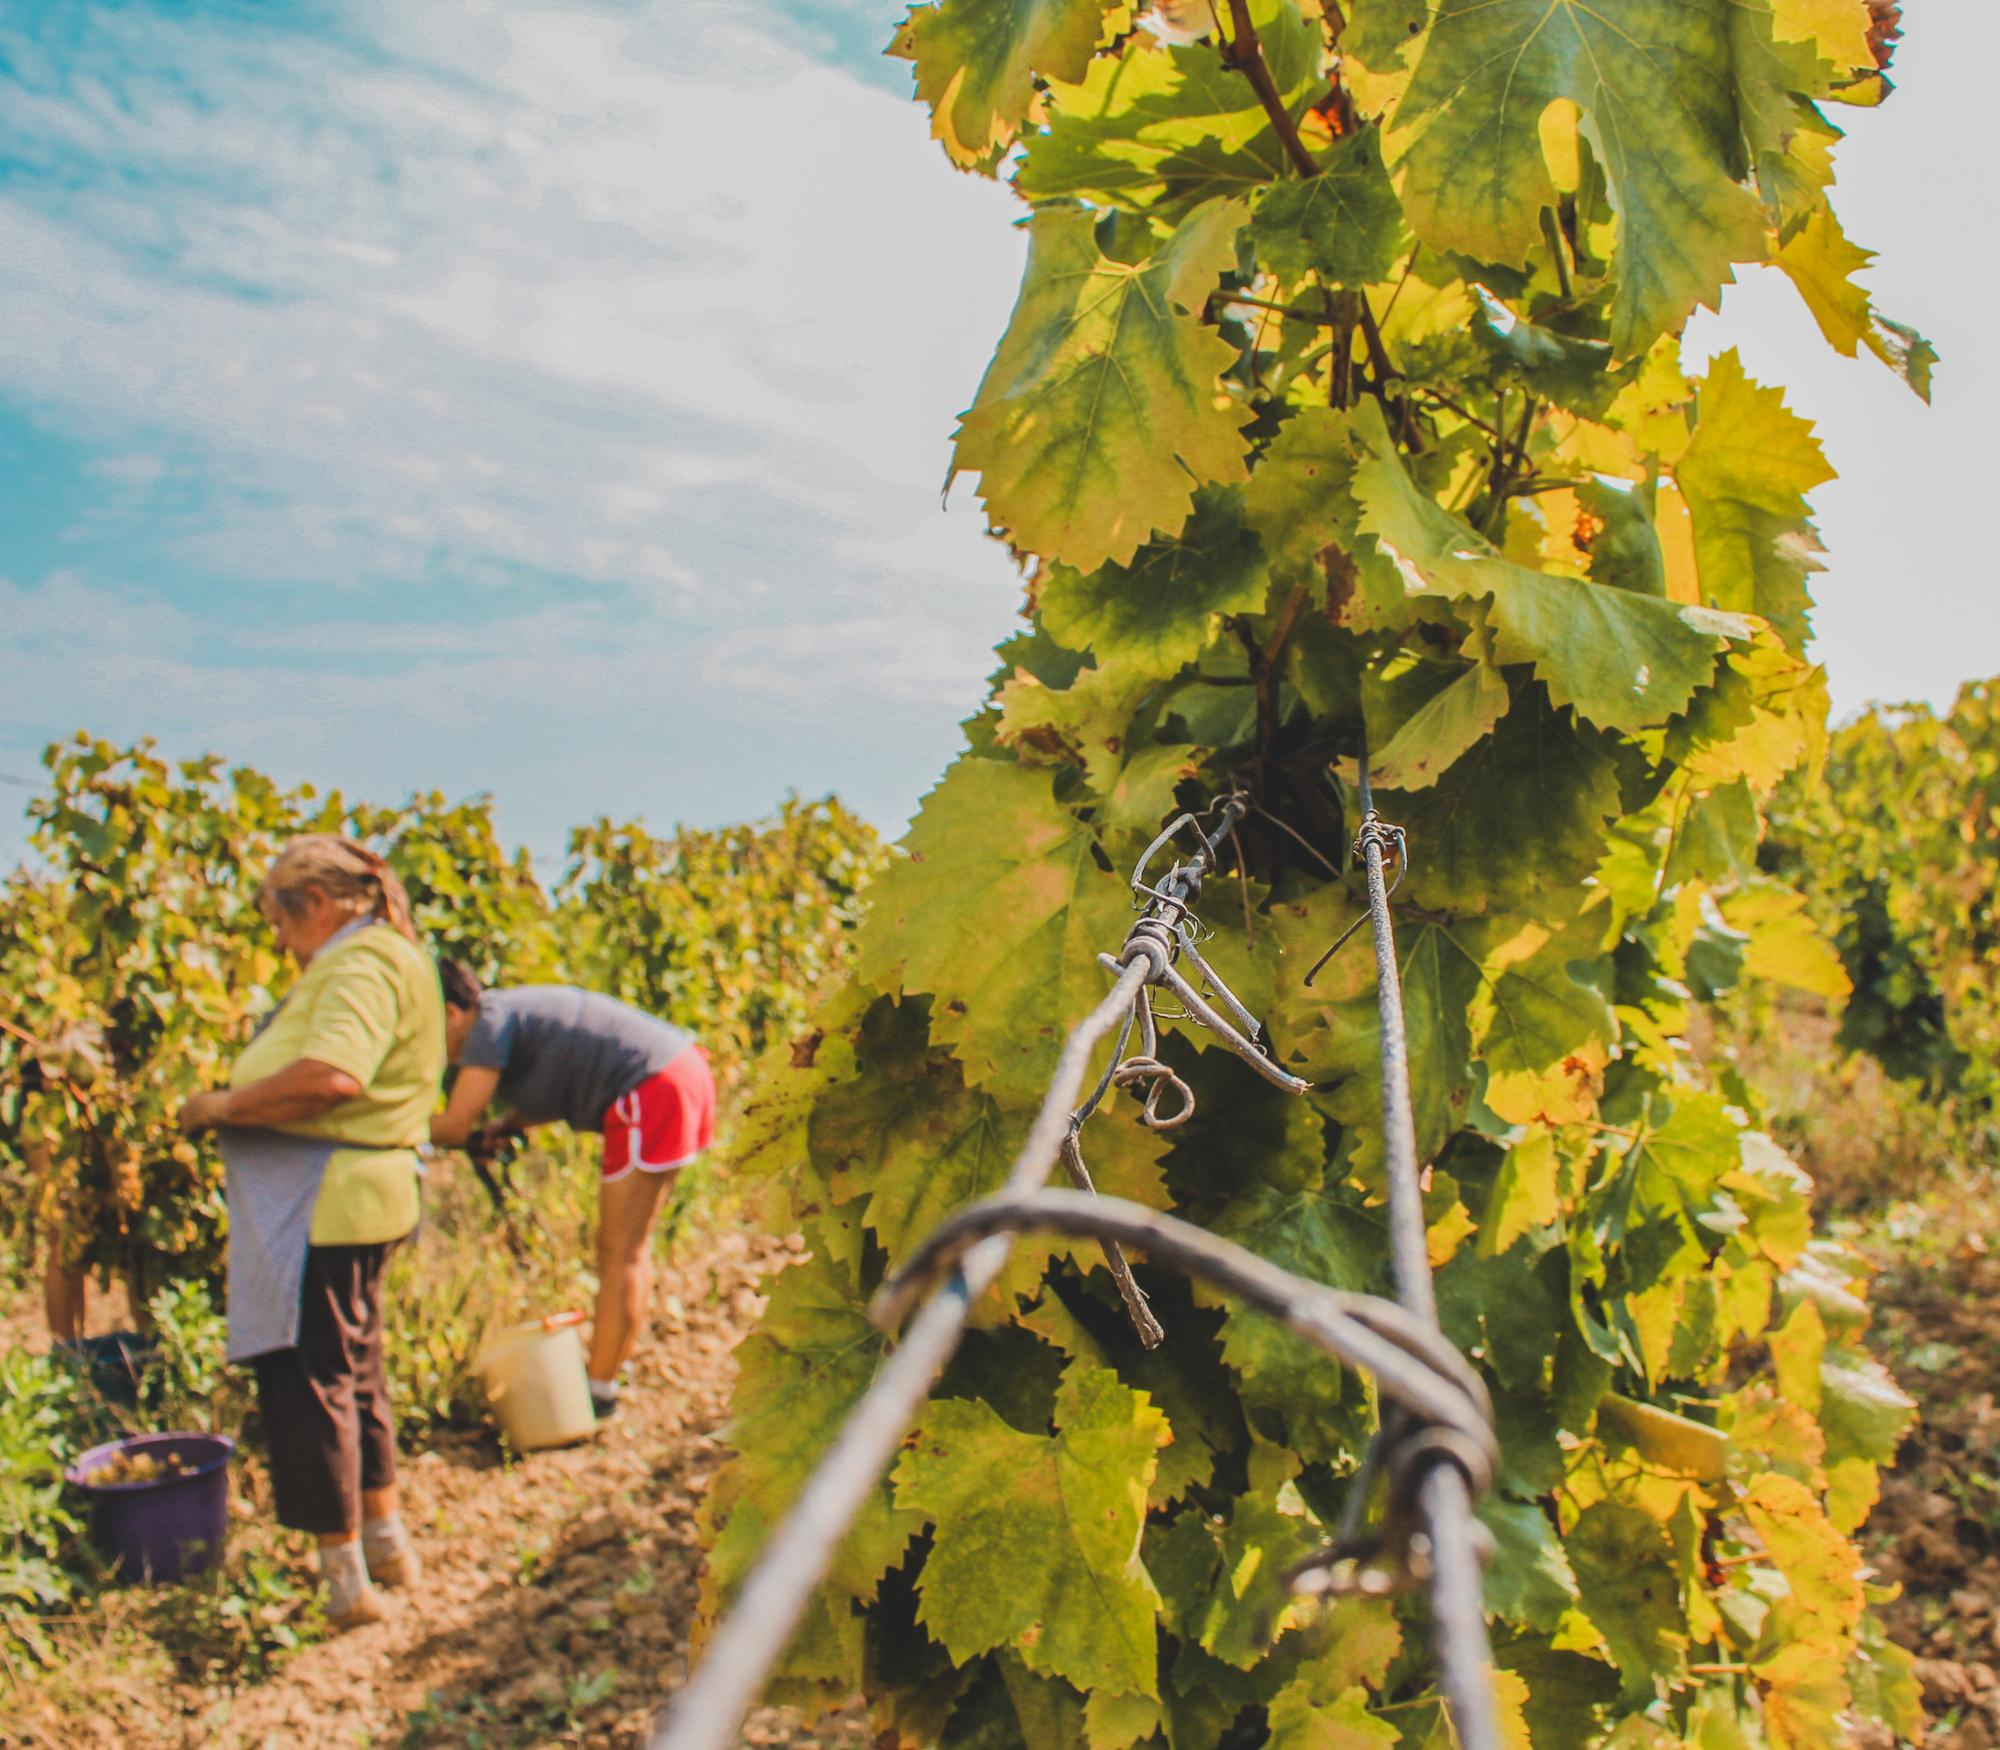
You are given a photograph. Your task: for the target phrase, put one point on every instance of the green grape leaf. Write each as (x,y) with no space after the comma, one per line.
(1345,224)
(1162,609)
(1626,1576)
(799,1374)
(914,1143)
(1865,1412)
(1301,504)
(1103,408)
(1302,1717)
(1745,475)
(1528,1580)
(1654,83)
(1572,373)
(1162,127)
(1520,815)
(977,62)
(1117,1722)
(1334,1029)
(1323,1237)
(1625,547)
(1037,1539)
(998,913)
(1451,720)
(1221,1577)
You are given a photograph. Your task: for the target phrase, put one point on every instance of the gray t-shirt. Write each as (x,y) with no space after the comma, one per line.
(567,1054)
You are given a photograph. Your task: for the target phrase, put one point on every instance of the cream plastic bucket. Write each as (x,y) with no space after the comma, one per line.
(535,1382)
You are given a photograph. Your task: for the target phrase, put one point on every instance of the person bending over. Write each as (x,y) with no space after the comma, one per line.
(553,1054)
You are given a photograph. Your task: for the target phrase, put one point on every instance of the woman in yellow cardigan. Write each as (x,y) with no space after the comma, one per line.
(319,1128)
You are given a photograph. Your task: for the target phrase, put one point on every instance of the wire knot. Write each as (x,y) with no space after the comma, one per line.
(1157,1078)
(1395,1555)
(1386,839)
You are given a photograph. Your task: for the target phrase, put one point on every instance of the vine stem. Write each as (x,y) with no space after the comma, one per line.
(1244,51)
(1265,667)
(25,1038)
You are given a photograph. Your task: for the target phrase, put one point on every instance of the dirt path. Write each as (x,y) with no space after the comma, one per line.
(561,1589)
(1937,1529)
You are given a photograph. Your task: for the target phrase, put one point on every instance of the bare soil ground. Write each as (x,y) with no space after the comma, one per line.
(561,1587)
(1936,1530)
(561,1592)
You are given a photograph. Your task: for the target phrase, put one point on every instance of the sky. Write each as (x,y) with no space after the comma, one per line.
(555,399)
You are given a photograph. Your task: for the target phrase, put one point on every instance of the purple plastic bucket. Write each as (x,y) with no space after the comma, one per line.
(169,1528)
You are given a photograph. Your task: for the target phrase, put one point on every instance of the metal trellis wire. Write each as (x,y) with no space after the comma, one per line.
(1436,1446)
(1431,1484)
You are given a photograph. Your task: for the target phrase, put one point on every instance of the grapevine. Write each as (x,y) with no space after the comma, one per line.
(1342,408)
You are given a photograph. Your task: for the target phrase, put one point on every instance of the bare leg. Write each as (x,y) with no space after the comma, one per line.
(65,1296)
(625,1213)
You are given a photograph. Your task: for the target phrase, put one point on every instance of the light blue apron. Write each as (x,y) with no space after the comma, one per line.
(273,1181)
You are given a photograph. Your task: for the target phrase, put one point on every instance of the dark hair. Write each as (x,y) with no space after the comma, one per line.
(461,989)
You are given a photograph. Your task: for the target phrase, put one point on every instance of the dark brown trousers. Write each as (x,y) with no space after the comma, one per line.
(326,1402)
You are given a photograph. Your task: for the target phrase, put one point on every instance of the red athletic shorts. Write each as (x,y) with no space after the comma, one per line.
(665,1121)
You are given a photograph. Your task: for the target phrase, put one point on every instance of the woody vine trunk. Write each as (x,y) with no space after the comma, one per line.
(1343,406)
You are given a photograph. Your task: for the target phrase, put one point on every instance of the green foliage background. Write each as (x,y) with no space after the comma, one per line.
(1898,851)
(133,964)
(1342,402)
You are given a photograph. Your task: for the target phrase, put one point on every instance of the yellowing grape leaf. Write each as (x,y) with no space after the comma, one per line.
(1745,475)
(977,61)
(1527,1193)
(1821,262)
(1820,1566)
(1104,408)
(1161,610)
(998,913)
(1543,1034)
(1037,1539)
(1796,1348)
(1345,224)
(1654,84)
(1623,660)
(1083,724)
(1837,29)
(1300,1720)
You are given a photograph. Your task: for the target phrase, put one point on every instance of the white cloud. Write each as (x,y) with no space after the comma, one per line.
(647,306)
